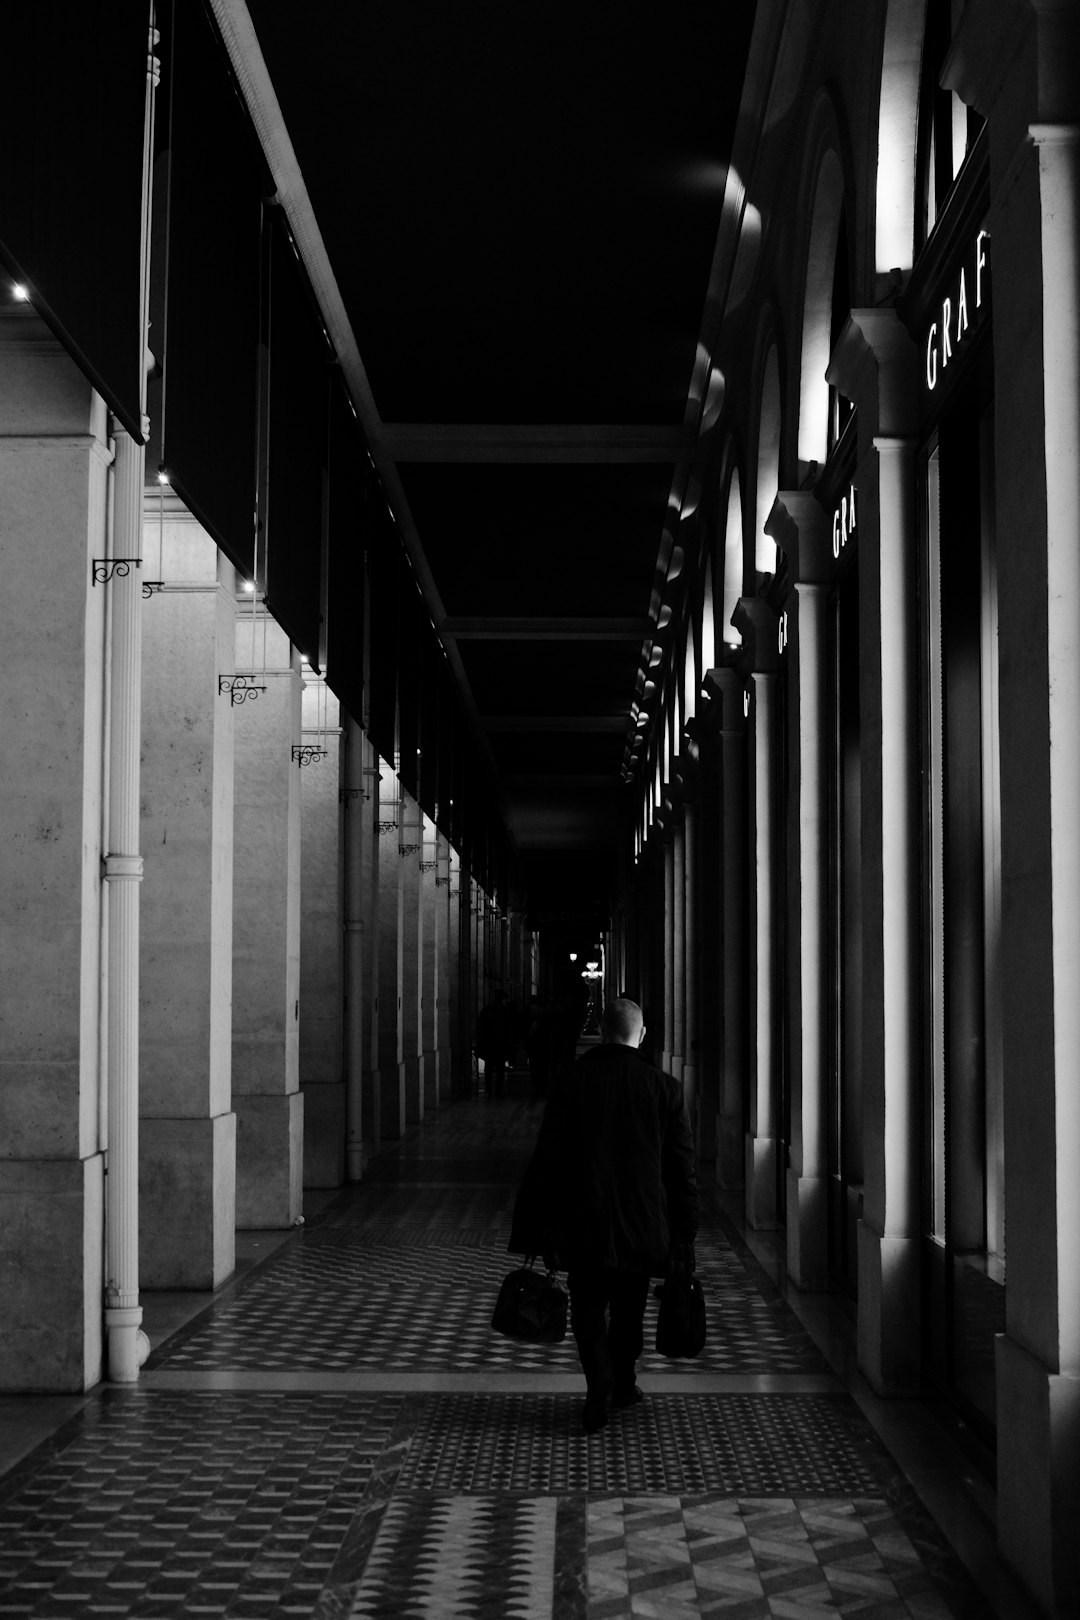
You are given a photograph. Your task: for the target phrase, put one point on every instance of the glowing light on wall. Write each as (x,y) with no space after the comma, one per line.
(817,311)
(733,562)
(898,111)
(768,470)
(708,622)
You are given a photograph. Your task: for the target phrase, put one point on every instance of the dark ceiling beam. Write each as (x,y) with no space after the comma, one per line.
(573,442)
(493,629)
(555,722)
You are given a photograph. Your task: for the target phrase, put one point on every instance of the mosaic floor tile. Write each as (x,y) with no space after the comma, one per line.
(168,1505)
(153,1503)
(462,1555)
(534,1444)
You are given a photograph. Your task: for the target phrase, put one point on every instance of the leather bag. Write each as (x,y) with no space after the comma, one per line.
(531,1306)
(680,1323)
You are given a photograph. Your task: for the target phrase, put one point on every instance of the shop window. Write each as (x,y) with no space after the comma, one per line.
(963,1109)
(947,129)
(845,1142)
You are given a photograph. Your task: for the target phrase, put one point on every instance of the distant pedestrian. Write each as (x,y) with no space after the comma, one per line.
(611,1194)
(495,1040)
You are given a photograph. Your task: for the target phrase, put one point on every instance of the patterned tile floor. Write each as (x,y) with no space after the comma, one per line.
(459,1482)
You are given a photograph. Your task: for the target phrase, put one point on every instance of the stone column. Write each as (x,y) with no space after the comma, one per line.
(705,1136)
(266,935)
(379,806)
(390,896)
(1018,68)
(187,1158)
(759,628)
(799,526)
(432,945)
(322,988)
(355,794)
(678,947)
(410,852)
(54,461)
(458,976)
(875,365)
(668,945)
(726,686)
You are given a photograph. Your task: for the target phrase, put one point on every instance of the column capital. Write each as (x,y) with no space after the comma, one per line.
(759,626)
(724,689)
(876,365)
(800,526)
(1020,51)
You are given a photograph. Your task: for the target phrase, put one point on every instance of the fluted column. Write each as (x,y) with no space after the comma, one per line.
(353,790)
(799,526)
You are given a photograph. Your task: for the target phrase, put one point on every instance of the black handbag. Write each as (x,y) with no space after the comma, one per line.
(680,1322)
(531,1305)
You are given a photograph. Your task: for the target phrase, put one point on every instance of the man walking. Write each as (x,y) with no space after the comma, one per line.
(610,1193)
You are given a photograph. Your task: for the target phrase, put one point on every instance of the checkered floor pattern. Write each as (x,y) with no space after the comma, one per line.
(155,1503)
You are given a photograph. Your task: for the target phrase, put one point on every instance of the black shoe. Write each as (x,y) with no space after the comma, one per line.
(630,1398)
(594,1414)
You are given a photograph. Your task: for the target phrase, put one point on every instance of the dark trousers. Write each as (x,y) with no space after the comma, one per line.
(607,1308)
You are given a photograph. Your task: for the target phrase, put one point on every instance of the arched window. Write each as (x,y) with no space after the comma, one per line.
(768,465)
(825,250)
(708,622)
(947,129)
(733,562)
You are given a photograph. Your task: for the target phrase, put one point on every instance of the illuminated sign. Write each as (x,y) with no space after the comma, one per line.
(959,312)
(782,633)
(843,522)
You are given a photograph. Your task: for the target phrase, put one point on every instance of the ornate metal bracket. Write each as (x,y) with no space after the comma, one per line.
(442,883)
(409,849)
(240,688)
(149,586)
(344,794)
(428,866)
(104,569)
(308,754)
(383,827)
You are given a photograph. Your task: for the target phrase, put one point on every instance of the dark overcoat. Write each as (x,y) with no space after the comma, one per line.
(611,1180)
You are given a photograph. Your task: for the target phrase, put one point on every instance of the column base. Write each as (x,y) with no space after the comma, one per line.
(269,1161)
(760,1170)
(187,1202)
(53,1219)
(807,1231)
(324,1133)
(889,1327)
(1038,1475)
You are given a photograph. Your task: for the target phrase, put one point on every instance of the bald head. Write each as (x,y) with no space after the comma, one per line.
(623,1024)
